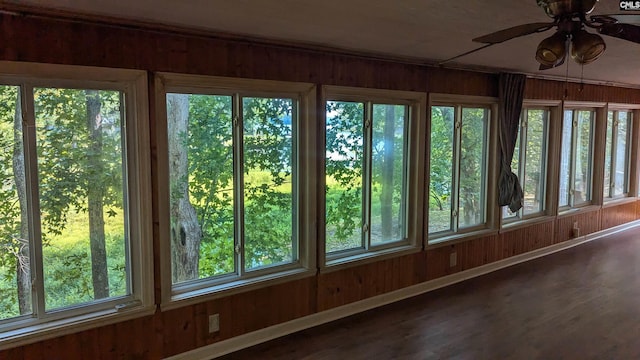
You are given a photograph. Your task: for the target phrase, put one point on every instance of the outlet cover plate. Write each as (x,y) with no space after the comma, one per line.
(214,323)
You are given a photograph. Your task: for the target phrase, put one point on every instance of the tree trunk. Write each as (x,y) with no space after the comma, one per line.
(186,233)
(95,196)
(386,193)
(23,261)
(436,197)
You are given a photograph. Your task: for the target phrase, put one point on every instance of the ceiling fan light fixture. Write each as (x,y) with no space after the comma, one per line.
(552,50)
(555,8)
(586,47)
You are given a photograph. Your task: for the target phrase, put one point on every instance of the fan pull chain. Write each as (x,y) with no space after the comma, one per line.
(581,78)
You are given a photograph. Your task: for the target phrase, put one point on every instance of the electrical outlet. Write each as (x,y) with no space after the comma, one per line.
(453,259)
(214,323)
(575,232)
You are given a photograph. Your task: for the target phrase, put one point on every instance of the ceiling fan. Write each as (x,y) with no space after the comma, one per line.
(571,35)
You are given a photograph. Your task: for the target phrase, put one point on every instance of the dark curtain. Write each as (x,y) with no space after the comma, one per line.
(510,93)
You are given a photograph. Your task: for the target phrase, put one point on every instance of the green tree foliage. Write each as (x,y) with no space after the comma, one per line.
(472,163)
(15,294)
(442,125)
(383,189)
(469,162)
(343,166)
(388,181)
(66,154)
(268,187)
(266,133)
(69,166)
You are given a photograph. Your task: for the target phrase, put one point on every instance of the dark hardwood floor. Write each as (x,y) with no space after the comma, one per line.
(581,303)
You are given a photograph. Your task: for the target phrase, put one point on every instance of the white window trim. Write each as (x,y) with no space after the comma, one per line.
(416,102)
(596,168)
(175,296)
(553,109)
(631,178)
(492,210)
(26,330)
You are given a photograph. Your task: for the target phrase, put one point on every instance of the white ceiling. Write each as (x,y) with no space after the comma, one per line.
(425,30)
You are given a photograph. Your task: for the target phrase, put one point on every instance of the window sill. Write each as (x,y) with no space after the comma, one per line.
(369,257)
(459,238)
(618,201)
(515,225)
(208,293)
(31,333)
(577,210)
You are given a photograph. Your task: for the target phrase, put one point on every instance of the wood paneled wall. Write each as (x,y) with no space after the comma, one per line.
(186,328)
(618,215)
(361,282)
(587,221)
(36,39)
(571,91)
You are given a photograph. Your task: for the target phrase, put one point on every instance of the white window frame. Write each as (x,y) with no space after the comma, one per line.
(195,291)
(548,108)
(595,182)
(616,109)
(491,210)
(415,131)
(133,84)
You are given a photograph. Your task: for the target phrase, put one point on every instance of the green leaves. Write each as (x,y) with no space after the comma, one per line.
(266,127)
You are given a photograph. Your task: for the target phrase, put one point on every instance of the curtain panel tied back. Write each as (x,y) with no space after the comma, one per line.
(511,94)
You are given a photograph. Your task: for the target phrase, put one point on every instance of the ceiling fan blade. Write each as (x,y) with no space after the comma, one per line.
(514,32)
(464,54)
(627,32)
(620,18)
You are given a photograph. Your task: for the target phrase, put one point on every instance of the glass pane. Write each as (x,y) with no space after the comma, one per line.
(622,155)
(388,174)
(15,278)
(201,186)
(472,166)
(582,184)
(565,159)
(607,156)
(344,157)
(441,181)
(534,177)
(269,178)
(82,195)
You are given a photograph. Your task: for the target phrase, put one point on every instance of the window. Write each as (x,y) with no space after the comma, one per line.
(73,175)
(459,171)
(234,179)
(529,162)
(617,154)
(576,158)
(367,171)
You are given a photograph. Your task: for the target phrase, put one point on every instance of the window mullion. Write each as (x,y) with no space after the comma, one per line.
(455,201)
(31,173)
(522,160)
(366,175)
(627,160)
(238,184)
(572,159)
(295,174)
(407,133)
(132,281)
(614,154)
(545,159)
(592,129)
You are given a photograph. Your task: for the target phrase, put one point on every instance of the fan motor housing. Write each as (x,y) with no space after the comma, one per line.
(555,8)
